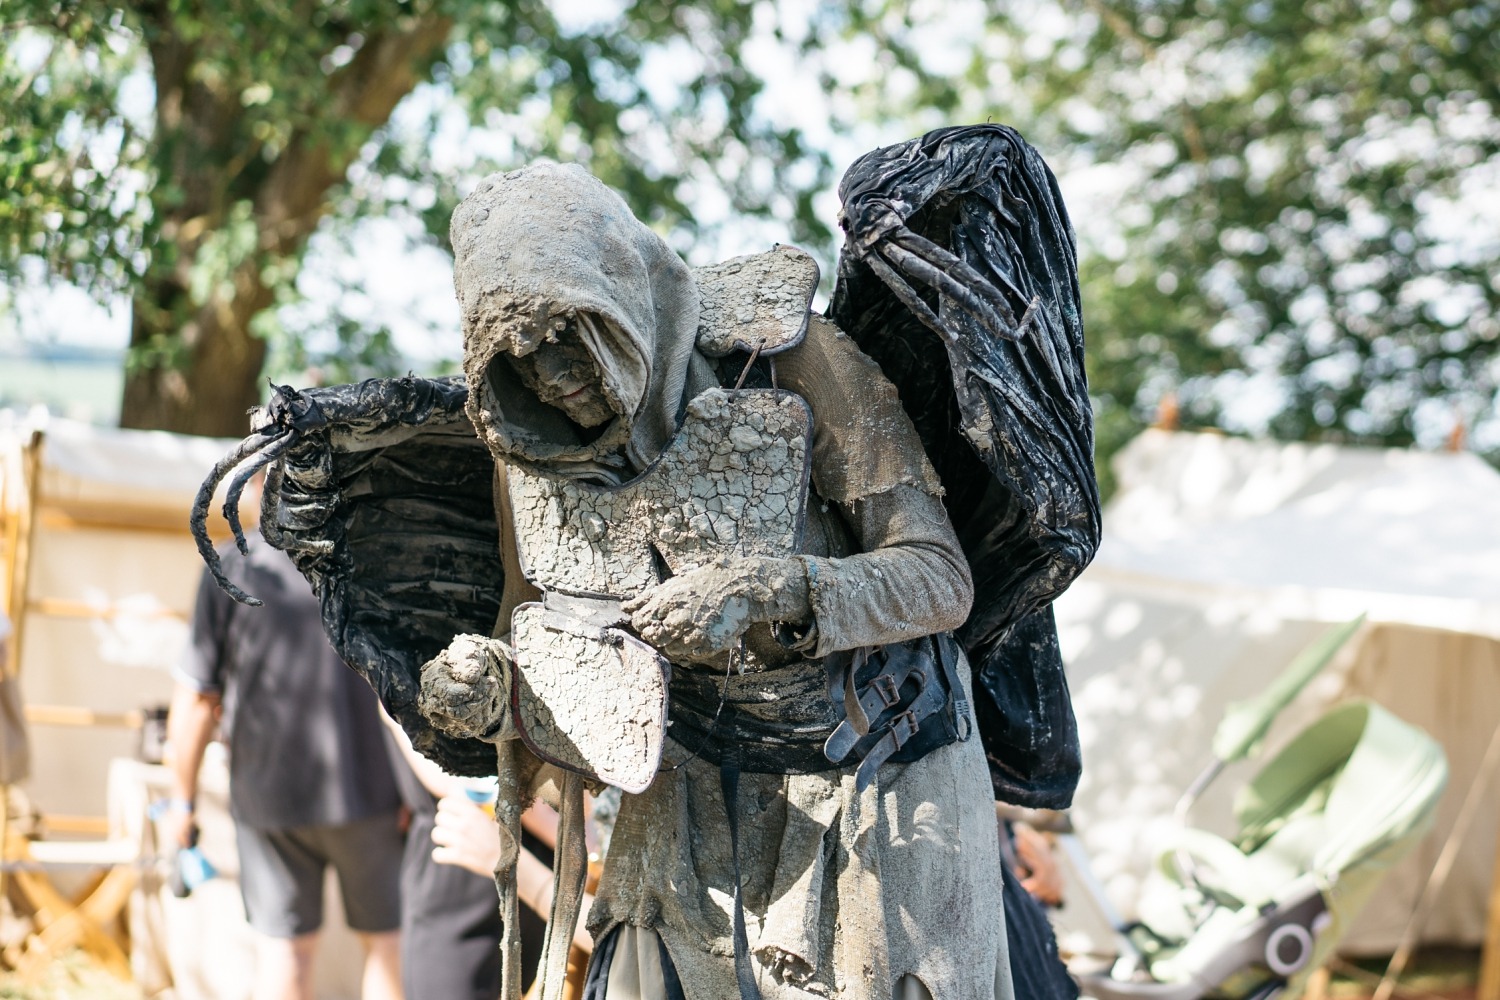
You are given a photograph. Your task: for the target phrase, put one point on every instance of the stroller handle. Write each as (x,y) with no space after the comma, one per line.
(1245,722)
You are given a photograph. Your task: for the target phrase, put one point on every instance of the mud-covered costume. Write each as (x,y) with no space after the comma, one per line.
(818,781)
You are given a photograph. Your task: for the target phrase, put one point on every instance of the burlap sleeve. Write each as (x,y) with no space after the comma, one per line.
(863,441)
(910,577)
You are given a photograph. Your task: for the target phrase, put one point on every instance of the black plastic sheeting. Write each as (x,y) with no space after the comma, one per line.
(959,277)
(384,498)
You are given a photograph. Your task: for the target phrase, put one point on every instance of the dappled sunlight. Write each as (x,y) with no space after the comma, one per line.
(139,631)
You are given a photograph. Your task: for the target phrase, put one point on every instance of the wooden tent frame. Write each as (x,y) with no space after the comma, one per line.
(90,918)
(83,921)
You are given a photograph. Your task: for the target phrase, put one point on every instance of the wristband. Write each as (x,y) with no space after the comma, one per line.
(180,805)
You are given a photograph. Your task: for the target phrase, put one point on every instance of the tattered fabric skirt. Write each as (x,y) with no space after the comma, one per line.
(861,896)
(644,971)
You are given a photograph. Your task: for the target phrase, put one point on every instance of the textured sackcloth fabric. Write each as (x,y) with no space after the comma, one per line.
(638,976)
(846,893)
(858,413)
(548,243)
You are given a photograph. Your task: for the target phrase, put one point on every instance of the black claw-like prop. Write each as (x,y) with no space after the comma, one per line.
(258,461)
(270,508)
(347,469)
(286,417)
(198,519)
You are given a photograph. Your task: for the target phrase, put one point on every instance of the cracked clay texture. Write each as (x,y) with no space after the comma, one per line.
(761,299)
(733,481)
(606,689)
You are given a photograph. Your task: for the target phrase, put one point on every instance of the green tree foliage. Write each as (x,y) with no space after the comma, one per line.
(1308,216)
(1299,239)
(183,151)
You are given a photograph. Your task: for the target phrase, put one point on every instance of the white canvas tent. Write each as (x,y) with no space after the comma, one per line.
(99,572)
(101,582)
(1221,559)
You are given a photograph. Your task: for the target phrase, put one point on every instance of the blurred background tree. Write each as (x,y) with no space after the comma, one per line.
(183,151)
(1286,210)
(1305,209)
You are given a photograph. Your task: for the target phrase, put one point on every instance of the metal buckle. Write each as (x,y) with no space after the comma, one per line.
(886,689)
(906,720)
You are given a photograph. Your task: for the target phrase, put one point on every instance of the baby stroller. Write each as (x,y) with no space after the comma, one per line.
(1252,915)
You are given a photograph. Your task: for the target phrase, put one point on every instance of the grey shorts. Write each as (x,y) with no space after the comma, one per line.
(282,875)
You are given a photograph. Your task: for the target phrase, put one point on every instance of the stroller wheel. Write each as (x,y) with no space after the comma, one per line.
(1288,948)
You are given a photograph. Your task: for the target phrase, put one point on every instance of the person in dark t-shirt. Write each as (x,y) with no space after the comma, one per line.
(450,915)
(310,782)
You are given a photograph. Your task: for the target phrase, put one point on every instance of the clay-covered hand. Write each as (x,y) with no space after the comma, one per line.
(466,689)
(704,612)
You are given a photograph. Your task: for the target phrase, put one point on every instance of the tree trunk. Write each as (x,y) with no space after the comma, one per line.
(195,366)
(210,390)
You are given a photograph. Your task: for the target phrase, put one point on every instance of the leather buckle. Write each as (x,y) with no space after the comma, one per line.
(886,689)
(903,728)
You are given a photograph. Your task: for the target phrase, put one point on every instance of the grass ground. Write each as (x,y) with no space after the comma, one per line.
(72,977)
(1435,974)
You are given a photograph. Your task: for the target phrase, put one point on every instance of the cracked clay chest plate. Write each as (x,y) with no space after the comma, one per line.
(731,482)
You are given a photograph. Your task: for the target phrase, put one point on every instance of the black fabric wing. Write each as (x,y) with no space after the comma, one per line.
(959,276)
(384,498)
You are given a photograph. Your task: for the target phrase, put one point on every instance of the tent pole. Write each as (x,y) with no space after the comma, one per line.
(1489,963)
(22,536)
(1440,870)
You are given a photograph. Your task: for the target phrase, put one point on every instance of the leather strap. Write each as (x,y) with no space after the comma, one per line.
(571,871)
(959,715)
(881,693)
(882,716)
(902,728)
(729,784)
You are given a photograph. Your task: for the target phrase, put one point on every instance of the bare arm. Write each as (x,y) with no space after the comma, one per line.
(190,725)
(433,778)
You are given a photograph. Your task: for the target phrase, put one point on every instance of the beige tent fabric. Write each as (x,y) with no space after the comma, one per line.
(1449,684)
(1222,558)
(113,574)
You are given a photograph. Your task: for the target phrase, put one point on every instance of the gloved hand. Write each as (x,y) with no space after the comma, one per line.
(704,612)
(466,689)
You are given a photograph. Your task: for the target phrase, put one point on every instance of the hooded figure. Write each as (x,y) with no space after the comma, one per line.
(751,865)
